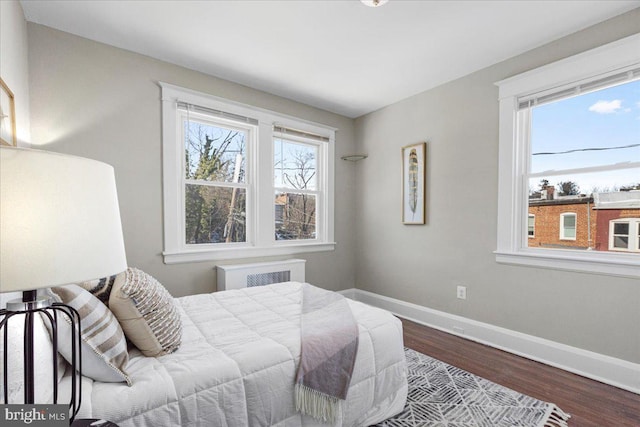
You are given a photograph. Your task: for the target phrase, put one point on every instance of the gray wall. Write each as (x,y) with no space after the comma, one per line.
(97,101)
(102,102)
(420,264)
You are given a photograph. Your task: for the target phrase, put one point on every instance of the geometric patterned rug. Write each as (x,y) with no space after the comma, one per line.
(441,395)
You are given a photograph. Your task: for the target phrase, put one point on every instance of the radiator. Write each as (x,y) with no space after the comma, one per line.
(238,276)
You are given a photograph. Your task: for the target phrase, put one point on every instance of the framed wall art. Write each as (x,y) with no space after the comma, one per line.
(7,116)
(413,183)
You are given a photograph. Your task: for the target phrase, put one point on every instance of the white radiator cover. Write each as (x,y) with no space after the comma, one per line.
(238,276)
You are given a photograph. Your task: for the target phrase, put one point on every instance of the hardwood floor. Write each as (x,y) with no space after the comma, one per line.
(590,403)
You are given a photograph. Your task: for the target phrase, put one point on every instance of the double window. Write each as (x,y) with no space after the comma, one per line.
(242,182)
(624,235)
(569,139)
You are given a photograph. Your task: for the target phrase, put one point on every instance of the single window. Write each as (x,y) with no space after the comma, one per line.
(568,226)
(222,165)
(296,186)
(571,160)
(568,142)
(531,227)
(621,235)
(215,180)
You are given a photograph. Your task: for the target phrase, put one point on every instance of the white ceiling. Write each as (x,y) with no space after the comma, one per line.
(338,55)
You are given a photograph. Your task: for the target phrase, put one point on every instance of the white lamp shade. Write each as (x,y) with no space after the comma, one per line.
(59,220)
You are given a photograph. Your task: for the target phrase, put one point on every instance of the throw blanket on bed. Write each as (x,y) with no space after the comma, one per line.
(329,339)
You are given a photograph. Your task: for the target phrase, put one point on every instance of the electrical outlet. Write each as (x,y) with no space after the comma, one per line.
(461,292)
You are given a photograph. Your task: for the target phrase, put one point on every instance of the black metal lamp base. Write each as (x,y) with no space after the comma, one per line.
(82,422)
(29,306)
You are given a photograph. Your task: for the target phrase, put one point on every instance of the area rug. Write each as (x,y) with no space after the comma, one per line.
(442,395)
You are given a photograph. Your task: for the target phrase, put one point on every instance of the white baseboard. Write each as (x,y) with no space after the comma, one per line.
(609,370)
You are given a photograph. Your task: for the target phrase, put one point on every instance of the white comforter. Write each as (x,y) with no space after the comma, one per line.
(237,363)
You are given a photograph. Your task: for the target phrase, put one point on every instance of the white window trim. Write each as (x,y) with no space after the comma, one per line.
(562,226)
(634,225)
(531,236)
(263,242)
(512,188)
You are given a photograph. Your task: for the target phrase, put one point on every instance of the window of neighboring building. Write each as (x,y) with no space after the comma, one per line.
(223,163)
(568,226)
(624,235)
(531,226)
(568,130)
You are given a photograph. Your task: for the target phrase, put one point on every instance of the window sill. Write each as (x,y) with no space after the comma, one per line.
(623,265)
(224,254)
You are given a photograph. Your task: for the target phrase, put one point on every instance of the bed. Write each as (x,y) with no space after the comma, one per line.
(237,363)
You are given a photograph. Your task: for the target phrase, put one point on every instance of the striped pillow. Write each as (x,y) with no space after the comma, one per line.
(147,313)
(104,347)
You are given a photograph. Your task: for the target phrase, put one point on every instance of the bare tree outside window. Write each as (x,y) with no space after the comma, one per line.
(296,184)
(214,213)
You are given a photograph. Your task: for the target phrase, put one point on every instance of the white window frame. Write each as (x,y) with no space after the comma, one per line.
(531,236)
(563,235)
(318,192)
(250,171)
(634,229)
(260,179)
(513,160)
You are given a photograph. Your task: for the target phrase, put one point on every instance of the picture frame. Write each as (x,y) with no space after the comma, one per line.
(414,183)
(7,116)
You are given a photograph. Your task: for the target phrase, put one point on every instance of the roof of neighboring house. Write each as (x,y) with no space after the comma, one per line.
(562,200)
(613,200)
(617,200)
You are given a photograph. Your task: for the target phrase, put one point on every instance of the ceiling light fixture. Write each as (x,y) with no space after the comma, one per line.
(374,3)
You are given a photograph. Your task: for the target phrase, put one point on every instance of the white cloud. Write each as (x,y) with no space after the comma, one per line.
(606,107)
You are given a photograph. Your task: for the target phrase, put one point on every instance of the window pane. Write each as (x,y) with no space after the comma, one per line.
(569,226)
(621,228)
(531,225)
(215,214)
(621,242)
(214,153)
(587,130)
(295,165)
(295,216)
(569,221)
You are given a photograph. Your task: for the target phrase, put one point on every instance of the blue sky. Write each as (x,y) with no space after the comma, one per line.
(196,138)
(606,119)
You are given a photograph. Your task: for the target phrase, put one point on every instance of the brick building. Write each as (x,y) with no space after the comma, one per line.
(602,222)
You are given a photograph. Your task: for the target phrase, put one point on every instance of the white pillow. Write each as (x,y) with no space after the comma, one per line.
(147,313)
(104,347)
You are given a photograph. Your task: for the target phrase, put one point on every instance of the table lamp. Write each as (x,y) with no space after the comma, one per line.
(59,224)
